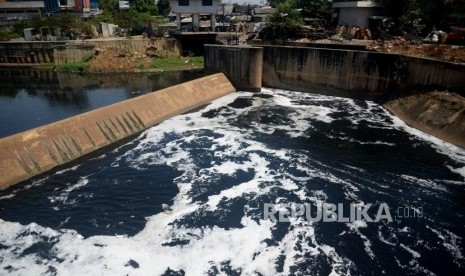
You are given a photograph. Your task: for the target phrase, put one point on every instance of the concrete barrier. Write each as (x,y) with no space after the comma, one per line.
(72,53)
(242,65)
(28,52)
(345,73)
(38,150)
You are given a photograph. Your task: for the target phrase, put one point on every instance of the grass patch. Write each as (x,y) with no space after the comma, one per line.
(73,67)
(46,66)
(171,62)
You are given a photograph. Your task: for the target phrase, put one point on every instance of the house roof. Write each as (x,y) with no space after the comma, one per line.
(264,10)
(22,5)
(357,4)
(228,11)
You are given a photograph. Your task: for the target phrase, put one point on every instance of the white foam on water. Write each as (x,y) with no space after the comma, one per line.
(68,169)
(63,197)
(202,248)
(424,183)
(451,242)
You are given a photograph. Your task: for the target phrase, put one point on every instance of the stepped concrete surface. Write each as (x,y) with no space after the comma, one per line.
(38,150)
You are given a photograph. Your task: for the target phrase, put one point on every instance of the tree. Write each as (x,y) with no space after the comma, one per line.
(321,9)
(434,14)
(164,7)
(283,24)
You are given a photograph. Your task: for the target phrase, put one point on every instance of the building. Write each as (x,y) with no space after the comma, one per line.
(261,14)
(16,11)
(356,13)
(196,8)
(82,5)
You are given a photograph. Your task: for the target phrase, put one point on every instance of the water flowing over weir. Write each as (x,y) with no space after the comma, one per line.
(33,152)
(215,168)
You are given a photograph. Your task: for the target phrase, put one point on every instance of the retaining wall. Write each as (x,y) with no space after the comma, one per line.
(72,53)
(356,74)
(28,52)
(346,73)
(242,65)
(38,150)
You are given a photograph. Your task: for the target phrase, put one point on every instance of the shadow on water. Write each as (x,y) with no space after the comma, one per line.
(31,98)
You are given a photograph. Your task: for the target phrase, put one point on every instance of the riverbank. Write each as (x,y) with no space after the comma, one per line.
(107,62)
(439,113)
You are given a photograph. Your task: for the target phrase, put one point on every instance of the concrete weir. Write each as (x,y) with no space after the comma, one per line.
(38,150)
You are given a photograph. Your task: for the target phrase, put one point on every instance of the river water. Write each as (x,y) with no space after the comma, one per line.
(188,196)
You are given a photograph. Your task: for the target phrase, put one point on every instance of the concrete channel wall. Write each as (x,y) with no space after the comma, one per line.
(38,150)
(346,73)
(356,74)
(242,65)
(28,52)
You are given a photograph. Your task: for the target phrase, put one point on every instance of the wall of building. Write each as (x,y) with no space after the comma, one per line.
(356,16)
(51,6)
(195,6)
(38,150)
(80,5)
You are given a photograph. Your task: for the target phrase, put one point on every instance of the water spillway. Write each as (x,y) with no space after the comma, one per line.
(38,150)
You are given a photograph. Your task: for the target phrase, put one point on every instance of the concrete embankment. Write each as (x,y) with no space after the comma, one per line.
(38,150)
(346,73)
(243,65)
(441,114)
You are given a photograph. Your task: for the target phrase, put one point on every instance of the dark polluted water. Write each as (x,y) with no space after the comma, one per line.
(32,98)
(187,197)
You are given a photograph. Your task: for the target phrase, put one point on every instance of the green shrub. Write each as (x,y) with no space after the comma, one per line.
(170,62)
(73,67)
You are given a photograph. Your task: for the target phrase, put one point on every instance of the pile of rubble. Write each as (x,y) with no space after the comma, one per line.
(399,45)
(107,61)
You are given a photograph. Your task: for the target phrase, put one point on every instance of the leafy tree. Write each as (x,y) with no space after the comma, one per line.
(144,6)
(321,9)
(283,24)
(433,13)
(164,7)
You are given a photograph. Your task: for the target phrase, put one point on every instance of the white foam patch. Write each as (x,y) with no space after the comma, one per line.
(68,170)
(451,243)
(424,183)
(171,143)
(63,197)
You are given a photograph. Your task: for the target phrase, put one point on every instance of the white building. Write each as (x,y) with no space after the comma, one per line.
(356,13)
(196,8)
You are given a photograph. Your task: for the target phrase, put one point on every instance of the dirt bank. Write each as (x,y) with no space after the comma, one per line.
(401,46)
(441,114)
(107,61)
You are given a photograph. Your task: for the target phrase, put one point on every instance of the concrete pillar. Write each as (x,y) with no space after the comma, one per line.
(178,20)
(213,22)
(242,65)
(196,21)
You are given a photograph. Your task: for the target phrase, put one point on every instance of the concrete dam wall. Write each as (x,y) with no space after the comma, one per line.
(242,65)
(346,73)
(356,74)
(38,150)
